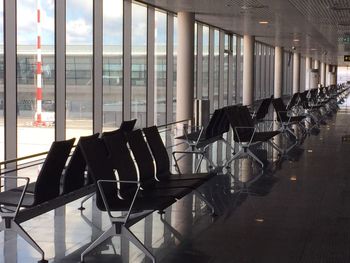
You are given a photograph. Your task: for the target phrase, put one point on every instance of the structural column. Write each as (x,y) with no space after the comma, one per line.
(323,74)
(296,72)
(185,66)
(248,70)
(308,67)
(333,76)
(328,75)
(278,72)
(317,68)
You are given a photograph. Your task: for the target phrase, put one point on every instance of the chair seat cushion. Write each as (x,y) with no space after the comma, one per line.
(192,183)
(264,136)
(11,198)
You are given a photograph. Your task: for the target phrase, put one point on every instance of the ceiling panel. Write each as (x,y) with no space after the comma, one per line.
(319,25)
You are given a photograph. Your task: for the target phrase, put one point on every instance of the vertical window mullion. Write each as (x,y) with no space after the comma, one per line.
(97,65)
(127,60)
(60,61)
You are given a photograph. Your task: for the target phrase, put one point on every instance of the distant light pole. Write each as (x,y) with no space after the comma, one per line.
(38,115)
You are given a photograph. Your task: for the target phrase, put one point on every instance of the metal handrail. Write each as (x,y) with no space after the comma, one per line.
(3,171)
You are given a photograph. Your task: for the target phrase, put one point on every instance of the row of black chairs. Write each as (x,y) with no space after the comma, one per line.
(63,178)
(135,186)
(305,111)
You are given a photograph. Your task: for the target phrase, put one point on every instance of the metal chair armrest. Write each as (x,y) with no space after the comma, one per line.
(24,190)
(245,128)
(104,198)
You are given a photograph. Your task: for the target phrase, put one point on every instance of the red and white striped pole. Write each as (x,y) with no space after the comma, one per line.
(38,120)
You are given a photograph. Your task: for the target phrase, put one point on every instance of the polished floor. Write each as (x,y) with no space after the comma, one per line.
(298,210)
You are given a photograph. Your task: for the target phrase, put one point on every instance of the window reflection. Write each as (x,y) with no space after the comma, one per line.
(112,63)
(139,64)
(35,76)
(160,67)
(79,68)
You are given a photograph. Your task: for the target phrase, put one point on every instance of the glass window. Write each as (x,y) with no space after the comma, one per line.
(160,67)
(35,76)
(240,71)
(226,61)
(112,63)
(175,67)
(139,64)
(234,69)
(79,62)
(205,64)
(216,68)
(2,137)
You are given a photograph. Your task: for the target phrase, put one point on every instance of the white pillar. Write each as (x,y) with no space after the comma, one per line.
(248,70)
(317,66)
(328,75)
(185,66)
(333,77)
(308,67)
(296,72)
(323,74)
(278,72)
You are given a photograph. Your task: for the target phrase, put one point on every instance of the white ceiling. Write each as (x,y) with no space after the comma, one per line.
(318,24)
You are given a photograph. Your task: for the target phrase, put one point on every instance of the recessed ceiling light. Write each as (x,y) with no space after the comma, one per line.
(293,178)
(296,40)
(259,220)
(257,6)
(313,49)
(263,22)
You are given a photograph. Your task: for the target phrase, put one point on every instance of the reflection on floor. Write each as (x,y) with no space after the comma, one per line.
(298,210)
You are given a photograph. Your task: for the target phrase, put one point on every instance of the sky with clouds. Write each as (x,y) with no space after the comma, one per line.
(79,22)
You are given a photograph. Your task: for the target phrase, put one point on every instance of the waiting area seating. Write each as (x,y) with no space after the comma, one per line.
(130,170)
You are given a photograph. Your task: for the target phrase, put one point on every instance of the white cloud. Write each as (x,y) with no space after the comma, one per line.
(79,31)
(112,9)
(27,23)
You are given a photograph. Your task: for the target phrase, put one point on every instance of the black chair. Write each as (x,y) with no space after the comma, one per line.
(293,102)
(147,171)
(46,188)
(162,160)
(160,181)
(263,110)
(109,191)
(286,121)
(199,141)
(245,133)
(127,126)
(74,176)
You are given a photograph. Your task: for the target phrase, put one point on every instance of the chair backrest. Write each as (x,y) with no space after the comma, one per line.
(213,125)
(222,125)
(280,109)
(143,158)
(127,126)
(263,109)
(159,152)
(293,101)
(47,184)
(96,157)
(245,122)
(239,116)
(120,159)
(74,175)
